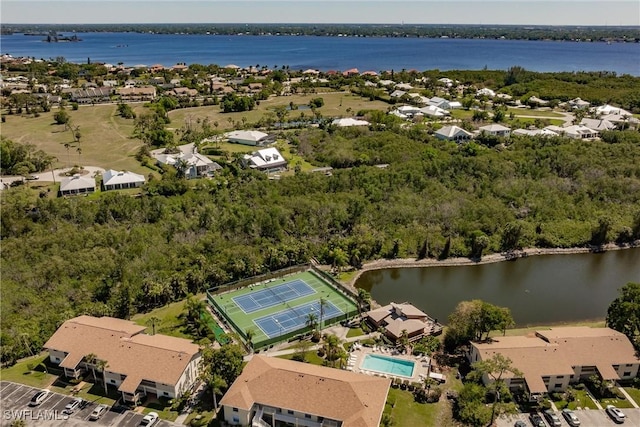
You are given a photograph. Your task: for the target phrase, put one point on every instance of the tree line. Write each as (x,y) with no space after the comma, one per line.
(118,255)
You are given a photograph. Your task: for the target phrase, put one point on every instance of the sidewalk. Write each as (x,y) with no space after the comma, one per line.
(629,398)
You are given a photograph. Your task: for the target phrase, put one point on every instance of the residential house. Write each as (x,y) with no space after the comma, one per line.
(146,93)
(453,133)
(194,165)
(119,180)
(496,130)
(90,95)
(552,359)
(574,131)
(184,92)
(266,160)
(77,184)
(250,137)
(397,93)
(535,132)
(404,86)
(578,104)
(486,92)
(445,104)
(603,110)
(433,111)
(272,391)
(136,363)
(597,124)
(397,319)
(349,122)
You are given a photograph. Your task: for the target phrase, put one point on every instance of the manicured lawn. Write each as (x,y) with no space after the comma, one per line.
(310,357)
(162,407)
(582,401)
(21,373)
(106,138)
(529,112)
(532,329)
(91,392)
(171,322)
(407,413)
(634,393)
(346,276)
(355,332)
(620,403)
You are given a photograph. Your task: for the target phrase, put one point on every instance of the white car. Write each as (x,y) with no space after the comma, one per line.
(39,397)
(72,406)
(98,412)
(571,417)
(149,419)
(616,414)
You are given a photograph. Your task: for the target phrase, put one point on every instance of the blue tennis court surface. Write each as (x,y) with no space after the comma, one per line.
(273,295)
(294,318)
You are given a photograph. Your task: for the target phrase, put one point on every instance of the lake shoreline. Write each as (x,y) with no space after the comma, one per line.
(382,264)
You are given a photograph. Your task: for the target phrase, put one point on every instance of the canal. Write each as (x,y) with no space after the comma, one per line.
(539,290)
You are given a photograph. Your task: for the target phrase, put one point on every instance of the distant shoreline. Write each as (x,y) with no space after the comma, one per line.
(382,264)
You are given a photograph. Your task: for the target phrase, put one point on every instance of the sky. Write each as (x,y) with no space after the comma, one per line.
(506,12)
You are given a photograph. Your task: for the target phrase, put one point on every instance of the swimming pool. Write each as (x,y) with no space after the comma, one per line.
(388,365)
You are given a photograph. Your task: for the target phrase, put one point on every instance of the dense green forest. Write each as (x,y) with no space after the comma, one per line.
(118,255)
(517,32)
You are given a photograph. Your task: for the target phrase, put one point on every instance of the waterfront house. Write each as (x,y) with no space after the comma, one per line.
(552,359)
(119,180)
(453,133)
(272,391)
(77,184)
(397,319)
(136,364)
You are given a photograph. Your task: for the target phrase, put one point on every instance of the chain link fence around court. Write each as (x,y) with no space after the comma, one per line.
(325,278)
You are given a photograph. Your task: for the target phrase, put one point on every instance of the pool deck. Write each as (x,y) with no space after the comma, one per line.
(357,355)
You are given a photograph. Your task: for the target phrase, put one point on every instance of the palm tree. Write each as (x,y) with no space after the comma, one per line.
(331,347)
(323,304)
(363,299)
(102,366)
(404,339)
(249,333)
(79,150)
(91,359)
(216,383)
(153,321)
(311,321)
(67,145)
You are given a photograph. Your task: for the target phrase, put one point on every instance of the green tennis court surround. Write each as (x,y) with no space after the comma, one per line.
(277,309)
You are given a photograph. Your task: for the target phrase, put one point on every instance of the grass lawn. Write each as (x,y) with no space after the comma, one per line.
(91,392)
(355,332)
(462,114)
(532,329)
(22,374)
(634,393)
(582,401)
(106,138)
(532,113)
(620,403)
(346,276)
(407,413)
(204,409)
(162,407)
(170,321)
(309,356)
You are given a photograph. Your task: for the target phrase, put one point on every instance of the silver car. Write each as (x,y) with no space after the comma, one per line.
(571,417)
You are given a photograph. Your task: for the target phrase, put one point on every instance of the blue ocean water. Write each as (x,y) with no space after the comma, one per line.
(333,53)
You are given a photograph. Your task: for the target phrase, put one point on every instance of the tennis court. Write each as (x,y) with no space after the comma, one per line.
(276,309)
(285,321)
(274,295)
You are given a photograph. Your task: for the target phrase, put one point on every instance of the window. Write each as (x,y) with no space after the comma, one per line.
(57,359)
(557,385)
(560,376)
(235,409)
(289,411)
(165,393)
(113,381)
(626,373)
(236,420)
(307,416)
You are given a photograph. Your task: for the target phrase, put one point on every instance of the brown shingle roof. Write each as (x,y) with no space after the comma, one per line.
(126,349)
(356,400)
(557,350)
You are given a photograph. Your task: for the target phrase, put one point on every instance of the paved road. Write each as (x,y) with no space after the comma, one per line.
(588,418)
(15,405)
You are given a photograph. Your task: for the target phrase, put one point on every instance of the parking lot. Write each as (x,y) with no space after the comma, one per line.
(15,405)
(588,418)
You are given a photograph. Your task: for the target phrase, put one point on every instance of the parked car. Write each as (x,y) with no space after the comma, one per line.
(616,414)
(33,177)
(149,419)
(536,420)
(519,423)
(98,412)
(552,418)
(39,397)
(571,417)
(73,406)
